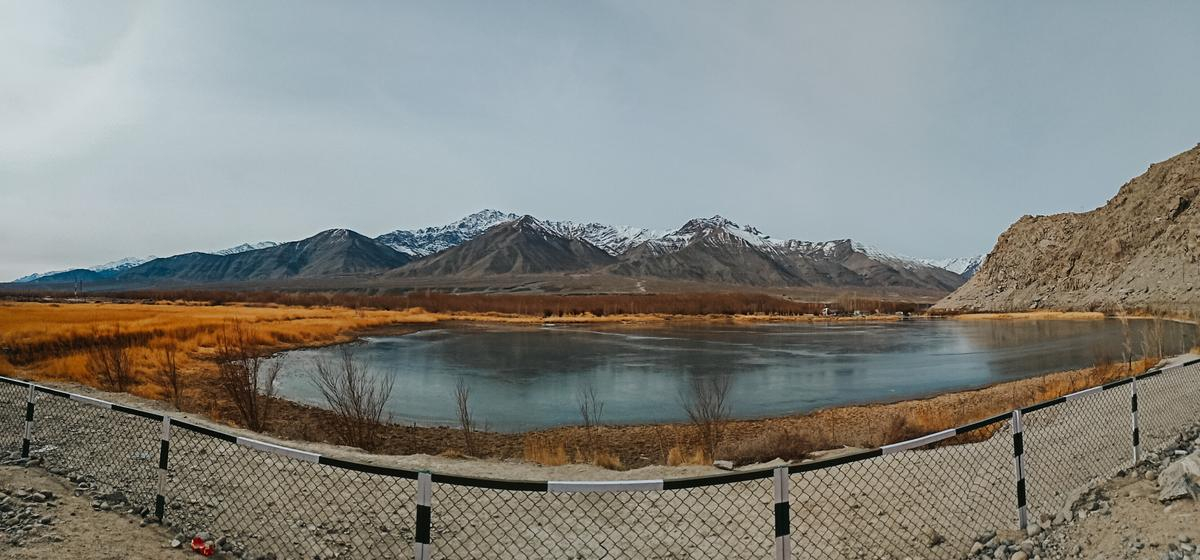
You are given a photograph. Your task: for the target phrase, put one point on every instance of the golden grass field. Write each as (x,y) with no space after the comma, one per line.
(50,340)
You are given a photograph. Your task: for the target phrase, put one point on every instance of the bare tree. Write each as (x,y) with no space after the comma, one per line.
(356,396)
(110,362)
(466,421)
(246,373)
(704,402)
(168,376)
(591,412)
(591,408)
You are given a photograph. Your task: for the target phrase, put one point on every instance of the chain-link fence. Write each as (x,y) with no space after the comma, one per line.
(931,497)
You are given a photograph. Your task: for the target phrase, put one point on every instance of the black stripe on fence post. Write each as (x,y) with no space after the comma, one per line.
(1019,467)
(1137,436)
(421,546)
(28,423)
(783,516)
(164,449)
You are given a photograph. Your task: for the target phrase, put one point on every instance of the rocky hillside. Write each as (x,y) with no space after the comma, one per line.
(1138,251)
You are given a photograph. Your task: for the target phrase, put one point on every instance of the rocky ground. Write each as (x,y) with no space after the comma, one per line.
(1150,511)
(47,516)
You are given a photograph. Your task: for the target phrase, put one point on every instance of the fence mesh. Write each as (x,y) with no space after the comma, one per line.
(1070,444)
(298,509)
(932,502)
(732,520)
(117,452)
(12,416)
(1167,403)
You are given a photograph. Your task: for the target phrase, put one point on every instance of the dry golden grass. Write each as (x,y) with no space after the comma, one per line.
(544,450)
(51,340)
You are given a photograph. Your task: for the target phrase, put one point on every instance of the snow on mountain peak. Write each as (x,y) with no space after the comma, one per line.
(245,247)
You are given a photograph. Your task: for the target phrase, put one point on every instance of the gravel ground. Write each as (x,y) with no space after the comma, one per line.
(41,517)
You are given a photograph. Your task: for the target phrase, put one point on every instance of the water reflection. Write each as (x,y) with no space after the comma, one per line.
(524,378)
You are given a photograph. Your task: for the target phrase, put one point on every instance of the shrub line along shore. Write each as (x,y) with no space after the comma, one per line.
(47,341)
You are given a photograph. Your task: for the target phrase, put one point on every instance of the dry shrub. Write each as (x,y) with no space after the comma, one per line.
(607,460)
(786,444)
(677,456)
(466,419)
(544,451)
(704,403)
(899,428)
(110,361)
(169,380)
(246,374)
(356,397)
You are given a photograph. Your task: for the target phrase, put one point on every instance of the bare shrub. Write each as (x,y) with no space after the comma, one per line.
(246,374)
(168,376)
(704,402)
(466,420)
(110,361)
(356,396)
(786,444)
(591,414)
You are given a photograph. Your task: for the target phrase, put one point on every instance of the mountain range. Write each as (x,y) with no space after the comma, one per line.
(492,244)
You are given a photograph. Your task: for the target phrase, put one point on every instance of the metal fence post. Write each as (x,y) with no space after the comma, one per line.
(421,546)
(28,423)
(1019,468)
(164,448)
(783,518)
(1137,436)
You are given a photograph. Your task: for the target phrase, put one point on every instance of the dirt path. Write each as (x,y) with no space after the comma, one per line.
(66,525)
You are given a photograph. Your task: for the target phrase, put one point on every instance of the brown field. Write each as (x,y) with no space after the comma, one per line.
(1033,315)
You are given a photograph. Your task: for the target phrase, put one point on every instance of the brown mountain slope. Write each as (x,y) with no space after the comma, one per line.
(1138,251)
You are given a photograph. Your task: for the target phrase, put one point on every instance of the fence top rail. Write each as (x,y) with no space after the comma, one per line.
(583,485)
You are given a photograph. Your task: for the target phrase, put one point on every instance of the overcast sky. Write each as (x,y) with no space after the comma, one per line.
(924,128)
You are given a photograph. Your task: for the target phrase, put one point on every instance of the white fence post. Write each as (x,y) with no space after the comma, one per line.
(421,545)
(1137,436)
(783,516)
(1019,467)
(28,423)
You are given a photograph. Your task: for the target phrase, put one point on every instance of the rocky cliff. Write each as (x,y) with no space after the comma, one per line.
(1138,251)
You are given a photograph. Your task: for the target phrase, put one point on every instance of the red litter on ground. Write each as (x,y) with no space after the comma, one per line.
(198,545)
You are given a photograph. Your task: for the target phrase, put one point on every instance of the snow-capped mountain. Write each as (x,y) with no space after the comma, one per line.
(614,240)
(962,266)
(244,247)
(107,269)
(427,241)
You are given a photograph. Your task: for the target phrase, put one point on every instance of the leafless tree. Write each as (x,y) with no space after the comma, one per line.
(168,376)
(704,402)
(591,412)
(591,408)
(466,421)
(246,373)
(356,396)
(110,362)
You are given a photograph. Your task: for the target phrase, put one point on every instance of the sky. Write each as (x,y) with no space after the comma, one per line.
(923,128)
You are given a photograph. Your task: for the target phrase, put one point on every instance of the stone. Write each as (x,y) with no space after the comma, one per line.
(723,465)
(932,538)
(1019,555)
(1180,479)
(1033,530)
